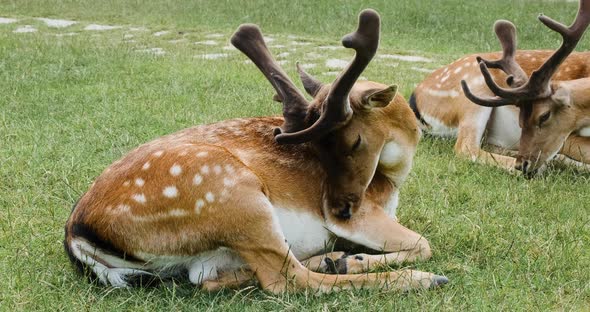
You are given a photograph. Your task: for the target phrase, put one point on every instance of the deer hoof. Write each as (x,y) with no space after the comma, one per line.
(438,280)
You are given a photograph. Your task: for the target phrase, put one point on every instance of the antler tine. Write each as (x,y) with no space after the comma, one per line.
(506,33)
(248,39)
(484,101)
(337,110)
(311,85)
(541,77)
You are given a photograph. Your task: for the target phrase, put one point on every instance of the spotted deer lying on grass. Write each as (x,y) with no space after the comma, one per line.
(241,198)
(554,116)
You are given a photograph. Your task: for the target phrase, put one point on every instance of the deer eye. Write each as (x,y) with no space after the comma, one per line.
(544,117)
(356,144)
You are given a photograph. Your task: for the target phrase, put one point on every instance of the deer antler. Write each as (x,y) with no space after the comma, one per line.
(506,33)
(249,40)
(336,108)
(538,86)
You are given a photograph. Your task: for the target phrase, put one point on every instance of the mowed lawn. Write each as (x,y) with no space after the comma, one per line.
(74,100)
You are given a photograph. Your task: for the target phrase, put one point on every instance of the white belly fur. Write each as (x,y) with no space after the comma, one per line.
(503,130)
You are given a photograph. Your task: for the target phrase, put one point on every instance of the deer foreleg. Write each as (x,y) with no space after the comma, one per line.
(469,138)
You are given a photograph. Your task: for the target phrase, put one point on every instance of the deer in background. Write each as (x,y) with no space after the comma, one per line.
(250,198)
(544,120)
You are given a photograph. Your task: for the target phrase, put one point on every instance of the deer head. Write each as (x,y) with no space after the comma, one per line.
(340,122)
(547,109)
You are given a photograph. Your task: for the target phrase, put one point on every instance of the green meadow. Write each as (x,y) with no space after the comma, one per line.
(74,99)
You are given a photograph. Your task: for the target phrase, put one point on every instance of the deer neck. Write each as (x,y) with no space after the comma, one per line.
(580,95)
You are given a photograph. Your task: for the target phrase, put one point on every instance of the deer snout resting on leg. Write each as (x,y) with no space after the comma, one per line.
(249,198)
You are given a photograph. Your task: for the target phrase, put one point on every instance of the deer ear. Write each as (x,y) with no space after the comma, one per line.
(379,98)
(562,96)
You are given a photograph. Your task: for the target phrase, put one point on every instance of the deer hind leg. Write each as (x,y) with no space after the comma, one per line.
(576,152)
(231,279)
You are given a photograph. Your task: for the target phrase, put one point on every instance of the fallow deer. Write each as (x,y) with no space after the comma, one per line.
(541,119)
(245,198)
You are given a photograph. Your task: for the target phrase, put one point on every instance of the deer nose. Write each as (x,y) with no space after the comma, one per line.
(343,211)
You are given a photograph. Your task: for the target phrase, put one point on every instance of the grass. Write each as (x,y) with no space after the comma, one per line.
(71,105)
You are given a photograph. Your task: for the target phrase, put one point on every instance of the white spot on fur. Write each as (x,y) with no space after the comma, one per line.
(202,154)
(228,182)
(170,191)
(140,198)
(183,153)
(217,169)
(229,169)
(457,70)
(178,213)
(198,179)
(56,23)
(205,169)
(123,208)
(126,183)
(146,166)
(139,182)
(479,81)
(175,170)
(158,153)
(443,93)
(25,29)
(210,197)
(100,27)
(199,205)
